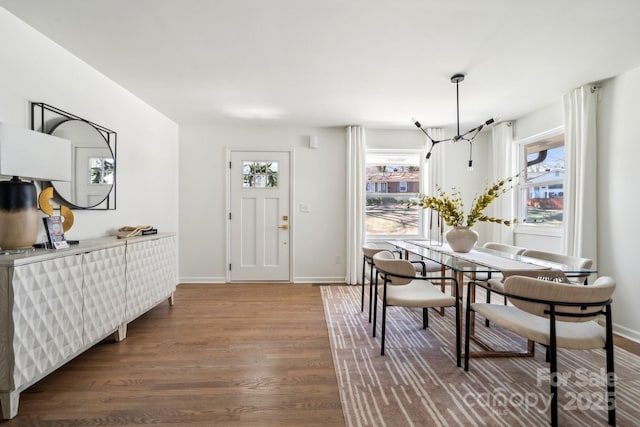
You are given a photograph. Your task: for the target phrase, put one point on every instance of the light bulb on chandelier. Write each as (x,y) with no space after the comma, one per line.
(468,136)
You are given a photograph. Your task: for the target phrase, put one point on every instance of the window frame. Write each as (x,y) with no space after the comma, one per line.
(543,229)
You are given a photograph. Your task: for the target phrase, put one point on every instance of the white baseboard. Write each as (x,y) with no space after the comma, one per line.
(196,279)
(627,333)
(209,279)
(321,280)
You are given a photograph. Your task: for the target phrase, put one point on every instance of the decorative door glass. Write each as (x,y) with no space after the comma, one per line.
(259,174)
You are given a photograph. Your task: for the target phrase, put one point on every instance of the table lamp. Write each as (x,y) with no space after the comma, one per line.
(29,155)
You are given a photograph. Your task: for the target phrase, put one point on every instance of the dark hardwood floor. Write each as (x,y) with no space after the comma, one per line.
(234,354)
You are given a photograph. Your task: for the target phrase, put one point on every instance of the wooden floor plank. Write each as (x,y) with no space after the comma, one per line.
(225,354)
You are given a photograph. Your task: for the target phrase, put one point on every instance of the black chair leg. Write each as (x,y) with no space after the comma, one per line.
(384,327)
(425,317)
(375,306)
(467,328)
(371,284)
(611,390)
(553,368)
(486,321)
(364,266)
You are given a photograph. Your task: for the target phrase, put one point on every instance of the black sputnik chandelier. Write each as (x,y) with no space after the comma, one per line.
(468,136)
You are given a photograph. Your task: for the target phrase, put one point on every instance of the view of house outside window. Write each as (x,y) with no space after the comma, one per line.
(542,193)
(392,178)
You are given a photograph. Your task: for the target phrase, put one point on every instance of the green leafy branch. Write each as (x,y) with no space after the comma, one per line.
(451,208)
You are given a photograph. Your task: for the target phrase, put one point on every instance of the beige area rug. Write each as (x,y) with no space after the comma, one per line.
(417,382)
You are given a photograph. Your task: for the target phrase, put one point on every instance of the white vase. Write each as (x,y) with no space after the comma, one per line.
(461,239)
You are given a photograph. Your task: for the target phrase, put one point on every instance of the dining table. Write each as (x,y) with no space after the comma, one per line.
(479,260)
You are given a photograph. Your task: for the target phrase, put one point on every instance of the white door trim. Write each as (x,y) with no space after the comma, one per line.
(292,216)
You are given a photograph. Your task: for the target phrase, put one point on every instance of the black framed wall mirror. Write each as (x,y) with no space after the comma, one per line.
(93,158)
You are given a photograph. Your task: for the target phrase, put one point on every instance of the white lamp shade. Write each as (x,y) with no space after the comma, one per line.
(34,155)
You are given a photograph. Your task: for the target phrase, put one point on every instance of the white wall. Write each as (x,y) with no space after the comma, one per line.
(548,117)
(389,139)
(36,69)
(319,181)
(618,202)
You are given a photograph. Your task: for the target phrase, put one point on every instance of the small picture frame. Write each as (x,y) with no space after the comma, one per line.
(55,232)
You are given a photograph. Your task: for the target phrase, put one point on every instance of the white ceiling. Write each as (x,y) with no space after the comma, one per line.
(339,62)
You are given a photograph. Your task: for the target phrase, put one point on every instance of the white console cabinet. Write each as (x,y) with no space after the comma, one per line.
(56,304)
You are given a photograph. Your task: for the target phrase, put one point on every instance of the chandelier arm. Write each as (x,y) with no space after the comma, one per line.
(428,136)
(429,152)
(477,130)
(419,126)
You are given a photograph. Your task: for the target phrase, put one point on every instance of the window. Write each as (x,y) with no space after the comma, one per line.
(542,186)
(260,174)
(101,171)
(392,177)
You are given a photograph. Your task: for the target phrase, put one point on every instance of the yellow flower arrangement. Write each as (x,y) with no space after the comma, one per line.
(451,207)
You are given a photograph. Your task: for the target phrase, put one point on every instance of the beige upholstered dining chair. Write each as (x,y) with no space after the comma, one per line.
(502,247)
(554,315)
(401,287)
(585,263)
(497,284)
(368,272)
(496,246)
(422,268)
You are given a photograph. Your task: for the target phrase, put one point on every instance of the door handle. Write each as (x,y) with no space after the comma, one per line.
(284,227)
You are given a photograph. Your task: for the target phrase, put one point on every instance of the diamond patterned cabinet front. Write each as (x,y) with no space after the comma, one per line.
(151,274)
(47,315)
(44,329)
(104,292)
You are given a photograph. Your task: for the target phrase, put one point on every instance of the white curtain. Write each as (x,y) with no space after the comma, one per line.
(355,202)
(503,163)
(580,216)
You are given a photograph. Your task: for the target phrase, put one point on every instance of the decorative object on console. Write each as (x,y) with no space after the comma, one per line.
(55,233)
(451,209)
(34,156)
(138,230)
(93,158)
(44,200)
(468,136)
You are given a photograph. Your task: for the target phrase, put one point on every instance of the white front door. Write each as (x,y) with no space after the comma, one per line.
(259,217)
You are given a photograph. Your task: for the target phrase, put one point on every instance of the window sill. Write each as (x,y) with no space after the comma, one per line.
(539,230)
(379,238)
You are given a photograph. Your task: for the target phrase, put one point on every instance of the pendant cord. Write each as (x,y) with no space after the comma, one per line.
(457,109)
